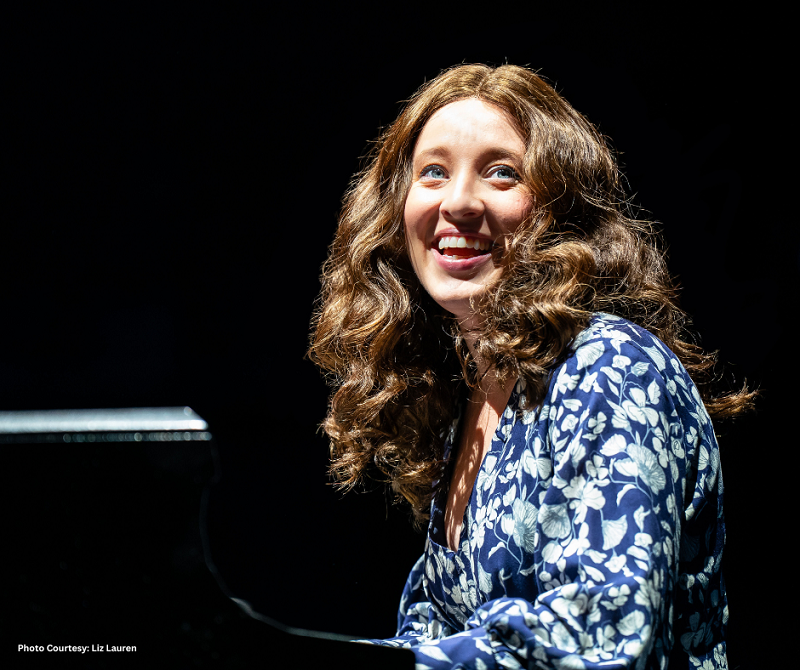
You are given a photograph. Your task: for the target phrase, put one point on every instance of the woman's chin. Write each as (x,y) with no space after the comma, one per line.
(461,308)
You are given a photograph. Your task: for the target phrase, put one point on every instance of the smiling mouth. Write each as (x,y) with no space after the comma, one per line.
(463,247)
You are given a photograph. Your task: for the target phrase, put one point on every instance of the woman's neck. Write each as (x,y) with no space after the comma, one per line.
(489,389)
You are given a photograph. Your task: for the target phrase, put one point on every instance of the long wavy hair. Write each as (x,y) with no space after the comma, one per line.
(397,361)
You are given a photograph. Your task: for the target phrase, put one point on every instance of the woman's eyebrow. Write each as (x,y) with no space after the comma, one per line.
(494,153)
(432,152)
(498,153)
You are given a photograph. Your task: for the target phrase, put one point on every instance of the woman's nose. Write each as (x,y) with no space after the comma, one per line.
(462,200)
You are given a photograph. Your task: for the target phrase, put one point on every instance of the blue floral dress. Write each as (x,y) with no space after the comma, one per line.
(594,532)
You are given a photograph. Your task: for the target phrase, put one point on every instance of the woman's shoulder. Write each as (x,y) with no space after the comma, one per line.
(610,335)
(620,360)
(619,363)
(603,326)
(613,356)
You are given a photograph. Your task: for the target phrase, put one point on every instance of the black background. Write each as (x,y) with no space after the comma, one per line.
(173,181)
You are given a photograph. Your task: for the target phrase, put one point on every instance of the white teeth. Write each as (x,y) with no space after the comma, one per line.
(464,243)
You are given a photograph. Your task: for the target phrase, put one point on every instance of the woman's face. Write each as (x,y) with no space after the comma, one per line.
(464,198)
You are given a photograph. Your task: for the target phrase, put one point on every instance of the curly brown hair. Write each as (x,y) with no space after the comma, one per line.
(398,363)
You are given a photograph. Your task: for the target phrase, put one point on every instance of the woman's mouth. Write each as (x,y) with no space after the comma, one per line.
(457,246)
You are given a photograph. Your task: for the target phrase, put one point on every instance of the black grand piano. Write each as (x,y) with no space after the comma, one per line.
(103,533)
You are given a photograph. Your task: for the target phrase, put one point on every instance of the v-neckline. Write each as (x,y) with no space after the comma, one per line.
(438,530)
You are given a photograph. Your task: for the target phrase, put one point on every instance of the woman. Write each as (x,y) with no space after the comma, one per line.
(507,353)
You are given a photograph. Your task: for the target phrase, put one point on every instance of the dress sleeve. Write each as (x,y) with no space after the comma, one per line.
(602,528)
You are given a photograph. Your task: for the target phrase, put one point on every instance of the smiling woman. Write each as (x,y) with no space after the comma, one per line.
(465,198)
(507,353)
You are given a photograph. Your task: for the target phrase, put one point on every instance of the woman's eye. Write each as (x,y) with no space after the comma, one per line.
(504,172)
(434,172)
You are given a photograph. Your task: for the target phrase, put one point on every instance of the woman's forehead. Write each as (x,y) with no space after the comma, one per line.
(470,123)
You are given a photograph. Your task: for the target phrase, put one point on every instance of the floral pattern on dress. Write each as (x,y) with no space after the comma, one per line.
(594,532)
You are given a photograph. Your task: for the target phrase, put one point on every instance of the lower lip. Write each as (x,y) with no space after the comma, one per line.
(456,264)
